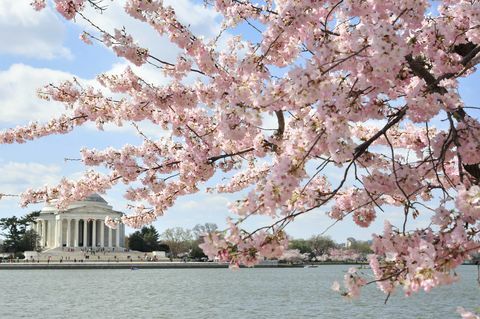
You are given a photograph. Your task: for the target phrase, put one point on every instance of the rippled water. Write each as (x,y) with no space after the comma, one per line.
(215,293)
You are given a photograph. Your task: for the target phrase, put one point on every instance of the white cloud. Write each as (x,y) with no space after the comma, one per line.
(16,177)
(210,202)
(26,32)
(195,209)
(18,100)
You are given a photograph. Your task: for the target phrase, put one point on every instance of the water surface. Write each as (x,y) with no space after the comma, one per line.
(216,293)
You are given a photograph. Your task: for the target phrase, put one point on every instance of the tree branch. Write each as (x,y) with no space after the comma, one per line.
(360,149)
(281,124)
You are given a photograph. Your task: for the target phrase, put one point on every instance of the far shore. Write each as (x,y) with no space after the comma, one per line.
(135,265)
(146,265)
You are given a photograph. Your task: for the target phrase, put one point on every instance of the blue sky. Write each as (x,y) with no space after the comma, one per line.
(40,47)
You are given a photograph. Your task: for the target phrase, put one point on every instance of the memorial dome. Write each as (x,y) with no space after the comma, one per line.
(95,198)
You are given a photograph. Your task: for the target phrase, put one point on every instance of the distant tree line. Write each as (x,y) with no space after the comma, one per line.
(177,242)
(17,237)
(320,245)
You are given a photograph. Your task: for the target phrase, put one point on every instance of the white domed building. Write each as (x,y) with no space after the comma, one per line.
(81,224)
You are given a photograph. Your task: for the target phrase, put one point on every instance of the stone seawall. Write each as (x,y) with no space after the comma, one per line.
(127,265)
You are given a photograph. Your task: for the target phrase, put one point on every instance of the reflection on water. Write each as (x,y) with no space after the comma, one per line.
(216,293)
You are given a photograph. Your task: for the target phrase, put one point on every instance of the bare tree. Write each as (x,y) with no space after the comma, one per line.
(178,240)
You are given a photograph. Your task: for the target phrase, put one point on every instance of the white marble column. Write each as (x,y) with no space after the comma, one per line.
(55,241)
(75,234)
(69,240)
(109,237)
(94,233)
(85,232)
(44,233)
(122,235)
(51,233)
(117,236)
(60,232)
(102,233)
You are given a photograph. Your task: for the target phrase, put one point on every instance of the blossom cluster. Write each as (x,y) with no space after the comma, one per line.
(237,248)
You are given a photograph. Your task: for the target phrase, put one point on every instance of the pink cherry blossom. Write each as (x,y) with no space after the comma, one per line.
(467,314)
(69,8)
(85,38)
(38,4)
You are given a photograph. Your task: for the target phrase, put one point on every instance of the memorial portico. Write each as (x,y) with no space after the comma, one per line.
(82,224)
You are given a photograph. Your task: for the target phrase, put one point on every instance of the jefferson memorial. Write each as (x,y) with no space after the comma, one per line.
(82,224)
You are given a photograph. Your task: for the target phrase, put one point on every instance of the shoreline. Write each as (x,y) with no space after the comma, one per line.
(128,265)
(134,265)
(149,265)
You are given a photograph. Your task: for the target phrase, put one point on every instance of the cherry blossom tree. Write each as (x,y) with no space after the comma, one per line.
(362,87)
(344,255)
(292,256)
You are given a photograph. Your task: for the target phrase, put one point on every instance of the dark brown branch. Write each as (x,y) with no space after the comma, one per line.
(96,5)
(417,65)
(360,149)
(400,15)
(213,159)
(344,59)
(281,124)
(328,16)
(8,195)
(258,9)
(469,56)
(173,65)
